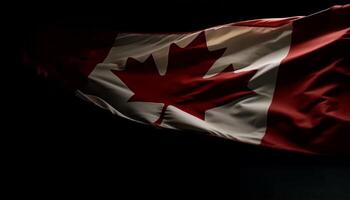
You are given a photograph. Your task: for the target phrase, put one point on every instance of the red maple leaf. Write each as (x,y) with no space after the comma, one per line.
(183,85)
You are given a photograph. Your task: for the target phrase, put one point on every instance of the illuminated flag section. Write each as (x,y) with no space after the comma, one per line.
(282,83)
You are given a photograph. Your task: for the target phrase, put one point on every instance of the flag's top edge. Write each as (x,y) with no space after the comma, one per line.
(265,22)
(268,22)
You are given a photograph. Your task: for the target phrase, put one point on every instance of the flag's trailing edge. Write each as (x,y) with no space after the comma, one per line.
(282,83)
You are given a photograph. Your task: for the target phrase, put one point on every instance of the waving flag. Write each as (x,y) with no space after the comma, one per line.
(282,83)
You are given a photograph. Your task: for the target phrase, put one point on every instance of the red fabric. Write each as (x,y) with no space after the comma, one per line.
(310,111)
(267,22)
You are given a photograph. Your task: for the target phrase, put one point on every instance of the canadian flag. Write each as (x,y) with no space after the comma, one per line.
(282,83)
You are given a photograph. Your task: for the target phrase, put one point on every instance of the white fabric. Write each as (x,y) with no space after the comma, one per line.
(247,48)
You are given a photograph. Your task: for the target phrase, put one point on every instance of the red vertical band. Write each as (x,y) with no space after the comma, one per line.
(70,55)
(310,111)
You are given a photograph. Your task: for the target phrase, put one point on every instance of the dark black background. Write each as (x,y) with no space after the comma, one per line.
(60,144)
